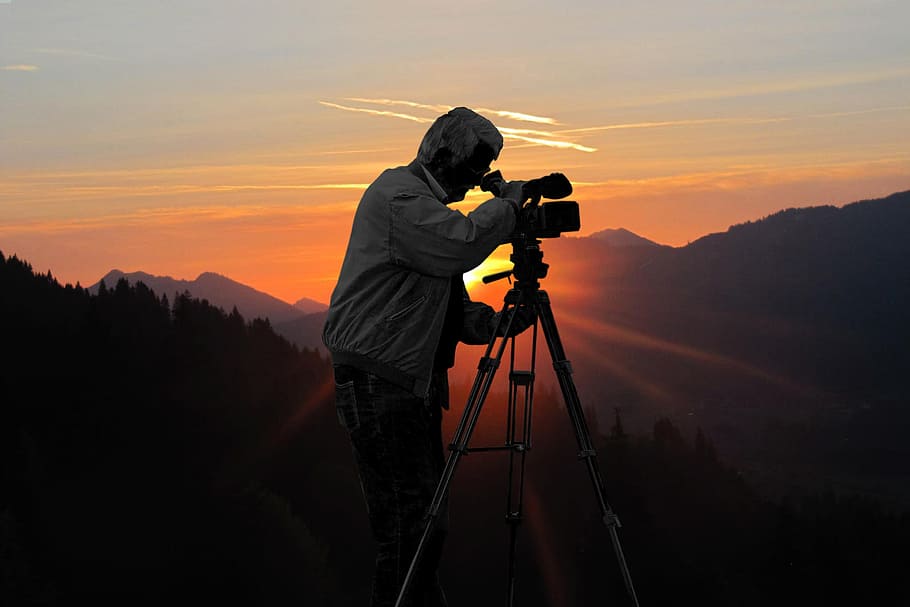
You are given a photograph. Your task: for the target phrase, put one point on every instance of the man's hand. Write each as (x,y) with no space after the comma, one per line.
(513,192)
(523,319)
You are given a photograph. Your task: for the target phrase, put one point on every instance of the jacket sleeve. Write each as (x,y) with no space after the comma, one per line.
(428,237)
(478,317)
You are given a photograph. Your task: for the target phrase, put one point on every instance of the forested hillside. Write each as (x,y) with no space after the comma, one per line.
(155,451)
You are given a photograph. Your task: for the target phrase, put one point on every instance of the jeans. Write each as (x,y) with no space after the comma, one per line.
(397,443)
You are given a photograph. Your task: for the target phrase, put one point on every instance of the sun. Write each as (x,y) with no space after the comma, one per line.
(497,262)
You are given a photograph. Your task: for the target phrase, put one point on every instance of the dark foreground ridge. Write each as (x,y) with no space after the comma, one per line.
(155,450)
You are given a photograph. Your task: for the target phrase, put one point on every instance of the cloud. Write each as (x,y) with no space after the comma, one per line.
(520,116)
(262,216)
(77,192)
(376,112)
(741,120)
(509,133)
(20,68)
(70,52)
(799,83)
(413,104)
(364,151)
(563,145)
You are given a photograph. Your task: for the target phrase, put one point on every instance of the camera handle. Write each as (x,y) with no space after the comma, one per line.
(552,186)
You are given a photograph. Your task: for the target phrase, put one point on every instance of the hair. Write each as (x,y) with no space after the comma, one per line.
(459,132)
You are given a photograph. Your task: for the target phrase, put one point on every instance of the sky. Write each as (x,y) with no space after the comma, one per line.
(179,137)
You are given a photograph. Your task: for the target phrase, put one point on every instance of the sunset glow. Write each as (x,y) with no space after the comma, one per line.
(242,145)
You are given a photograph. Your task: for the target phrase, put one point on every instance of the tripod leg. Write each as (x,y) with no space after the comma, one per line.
(486,370)
(521,385)
(583,436)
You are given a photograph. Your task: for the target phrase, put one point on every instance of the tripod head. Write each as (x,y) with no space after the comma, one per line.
(527,264)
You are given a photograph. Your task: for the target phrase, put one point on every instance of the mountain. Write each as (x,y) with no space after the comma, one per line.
(305,331)
(310,306)
(208,462)
(217,289)
(785,339)
(819,294)
(622,237)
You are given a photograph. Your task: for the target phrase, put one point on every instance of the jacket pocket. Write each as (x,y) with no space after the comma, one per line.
(406,310)
(346,406)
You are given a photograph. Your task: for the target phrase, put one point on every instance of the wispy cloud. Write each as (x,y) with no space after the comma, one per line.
(376,112)
(131,191)
(731,120)
(551,143)
(738,178)
(19,68)
(795,84)
(437,108)
(413,104)
(71,52)
(894,108)
(364,151)
(648,125)
(529,136)
(265,216)
(518,116)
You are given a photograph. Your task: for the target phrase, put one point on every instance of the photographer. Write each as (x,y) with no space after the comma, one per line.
(396,315)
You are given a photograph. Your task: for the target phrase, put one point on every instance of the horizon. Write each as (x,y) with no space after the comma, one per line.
(247,158)
(496,262)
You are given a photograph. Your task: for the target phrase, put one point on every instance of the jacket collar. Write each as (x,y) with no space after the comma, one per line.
(421,172)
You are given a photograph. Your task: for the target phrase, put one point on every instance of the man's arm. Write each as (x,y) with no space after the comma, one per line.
(430,238)
(480,320)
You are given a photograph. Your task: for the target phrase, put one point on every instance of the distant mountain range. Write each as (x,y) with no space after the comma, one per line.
(309,306)
(805,292)
(222,292)
(820,293)
(622,237)
(792,330)
(795,325)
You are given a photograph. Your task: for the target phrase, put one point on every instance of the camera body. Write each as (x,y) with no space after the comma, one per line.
(548,220)
(536,219)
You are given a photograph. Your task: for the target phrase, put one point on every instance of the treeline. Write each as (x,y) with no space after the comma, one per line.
(134,432)
(159,449)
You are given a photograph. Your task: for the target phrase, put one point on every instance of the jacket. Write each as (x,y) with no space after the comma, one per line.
(387,310)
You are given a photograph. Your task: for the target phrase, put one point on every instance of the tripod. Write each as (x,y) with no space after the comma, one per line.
(528,268)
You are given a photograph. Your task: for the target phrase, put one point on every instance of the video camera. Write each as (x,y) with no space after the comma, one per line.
(535,220)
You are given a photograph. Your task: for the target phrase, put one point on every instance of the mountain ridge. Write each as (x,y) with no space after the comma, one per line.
(218,289)
(621,237)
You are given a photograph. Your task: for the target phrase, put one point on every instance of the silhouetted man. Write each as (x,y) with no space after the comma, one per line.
(397,313)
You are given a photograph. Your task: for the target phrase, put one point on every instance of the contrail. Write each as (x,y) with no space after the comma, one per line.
(520,116)
(695,122)
(376,112)
(413,104)
(665,123)
(564,145)
(510,133)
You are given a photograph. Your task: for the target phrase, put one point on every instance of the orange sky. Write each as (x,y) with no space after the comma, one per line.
(241,144)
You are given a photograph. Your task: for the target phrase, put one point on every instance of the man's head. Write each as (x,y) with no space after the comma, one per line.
(458,149)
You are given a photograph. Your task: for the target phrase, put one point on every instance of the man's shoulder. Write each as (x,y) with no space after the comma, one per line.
(400,180)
